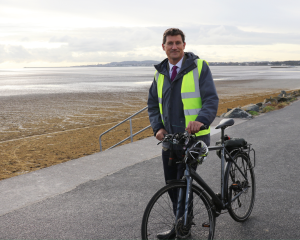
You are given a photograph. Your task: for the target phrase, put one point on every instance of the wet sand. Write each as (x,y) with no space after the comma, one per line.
(39,131)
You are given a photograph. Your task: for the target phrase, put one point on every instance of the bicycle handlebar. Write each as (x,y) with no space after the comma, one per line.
(178,138)
(204,127)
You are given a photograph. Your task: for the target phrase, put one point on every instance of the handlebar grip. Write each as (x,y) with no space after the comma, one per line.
(204,127)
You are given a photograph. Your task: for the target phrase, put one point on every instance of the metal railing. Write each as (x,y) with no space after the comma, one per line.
(131,135)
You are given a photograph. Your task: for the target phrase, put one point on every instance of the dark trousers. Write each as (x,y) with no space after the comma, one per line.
(177,171)
(173,172)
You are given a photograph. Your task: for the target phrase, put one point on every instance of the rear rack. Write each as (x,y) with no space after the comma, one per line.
(250,153)
(247,149)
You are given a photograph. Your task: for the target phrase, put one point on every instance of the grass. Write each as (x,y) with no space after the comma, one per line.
(274,106)
(254,113)
(268,109)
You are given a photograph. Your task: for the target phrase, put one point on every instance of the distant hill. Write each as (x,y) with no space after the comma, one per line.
(145,63)
(150,63)
(258,63)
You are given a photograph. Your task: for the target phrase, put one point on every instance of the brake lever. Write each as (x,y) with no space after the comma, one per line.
(163,139)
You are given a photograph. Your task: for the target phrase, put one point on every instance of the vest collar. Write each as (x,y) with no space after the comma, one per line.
(163,67)
(188,65)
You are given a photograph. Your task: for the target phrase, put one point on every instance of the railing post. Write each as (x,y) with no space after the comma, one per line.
(131,130)
(100,144)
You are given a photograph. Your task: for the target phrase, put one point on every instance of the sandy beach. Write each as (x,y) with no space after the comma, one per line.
(39,131)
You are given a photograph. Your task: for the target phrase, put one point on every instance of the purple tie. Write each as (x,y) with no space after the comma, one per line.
(174,73)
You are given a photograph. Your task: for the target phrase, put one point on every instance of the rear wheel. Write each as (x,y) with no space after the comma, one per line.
(241,190)
(159,215)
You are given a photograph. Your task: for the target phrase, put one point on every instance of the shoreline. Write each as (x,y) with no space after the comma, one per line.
(41,131)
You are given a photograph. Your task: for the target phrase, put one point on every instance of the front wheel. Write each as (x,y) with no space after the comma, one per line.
(160,212)
(241,190)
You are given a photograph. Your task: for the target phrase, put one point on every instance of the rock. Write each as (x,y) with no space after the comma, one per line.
(266,104)
(284,99)
(296,93)
(237,113)
(259,104)
(222,115)
(250,107)
(271,100)
(282,94)
(229,109)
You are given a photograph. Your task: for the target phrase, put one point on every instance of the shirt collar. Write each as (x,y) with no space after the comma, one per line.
(177,64)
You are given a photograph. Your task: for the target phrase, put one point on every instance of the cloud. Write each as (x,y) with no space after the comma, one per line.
(266,15)
(231,35)
(122,39)
(124,43)
(91,31)
(108,39)
(14,54)
(67,54)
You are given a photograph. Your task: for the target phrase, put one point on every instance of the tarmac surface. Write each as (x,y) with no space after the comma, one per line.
(103,196)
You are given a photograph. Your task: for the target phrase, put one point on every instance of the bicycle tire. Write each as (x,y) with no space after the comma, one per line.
(240,209)
(159,214)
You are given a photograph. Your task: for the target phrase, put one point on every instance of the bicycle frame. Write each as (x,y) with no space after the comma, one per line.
(191,174)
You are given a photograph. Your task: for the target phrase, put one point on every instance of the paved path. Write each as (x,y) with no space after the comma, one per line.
(103,196)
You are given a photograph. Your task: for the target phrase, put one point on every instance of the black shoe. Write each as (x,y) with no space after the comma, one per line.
(171,234)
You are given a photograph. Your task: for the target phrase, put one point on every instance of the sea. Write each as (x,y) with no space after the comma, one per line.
(97,79)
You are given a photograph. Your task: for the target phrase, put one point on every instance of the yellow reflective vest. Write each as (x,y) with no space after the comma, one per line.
(190,94)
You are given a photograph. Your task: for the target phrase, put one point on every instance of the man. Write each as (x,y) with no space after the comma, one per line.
(182,96)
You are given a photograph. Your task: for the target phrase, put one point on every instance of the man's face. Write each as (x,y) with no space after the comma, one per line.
(174,48)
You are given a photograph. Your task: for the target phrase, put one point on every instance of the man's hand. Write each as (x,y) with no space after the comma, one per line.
(194,127)
(161,134)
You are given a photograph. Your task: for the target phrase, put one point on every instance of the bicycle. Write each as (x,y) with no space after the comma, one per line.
(193,214)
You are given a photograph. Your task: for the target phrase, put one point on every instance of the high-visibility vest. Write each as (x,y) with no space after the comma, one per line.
(190,95)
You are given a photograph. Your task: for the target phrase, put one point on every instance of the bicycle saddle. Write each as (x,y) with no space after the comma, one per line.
(225,123)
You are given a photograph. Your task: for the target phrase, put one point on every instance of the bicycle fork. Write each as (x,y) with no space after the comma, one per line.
(181,199)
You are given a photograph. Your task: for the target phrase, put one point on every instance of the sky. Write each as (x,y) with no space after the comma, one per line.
(48,33)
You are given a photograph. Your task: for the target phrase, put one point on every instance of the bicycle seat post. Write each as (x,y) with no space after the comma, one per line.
(224,124)
(222,135)
(222,164)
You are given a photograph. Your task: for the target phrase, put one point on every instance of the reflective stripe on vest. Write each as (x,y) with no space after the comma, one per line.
(190,94)
(159,78)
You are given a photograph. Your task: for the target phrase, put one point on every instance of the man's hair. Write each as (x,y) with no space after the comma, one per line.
(173,32)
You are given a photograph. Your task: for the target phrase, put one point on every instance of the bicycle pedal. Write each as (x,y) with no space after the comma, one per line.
(235,186)
(207,225)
